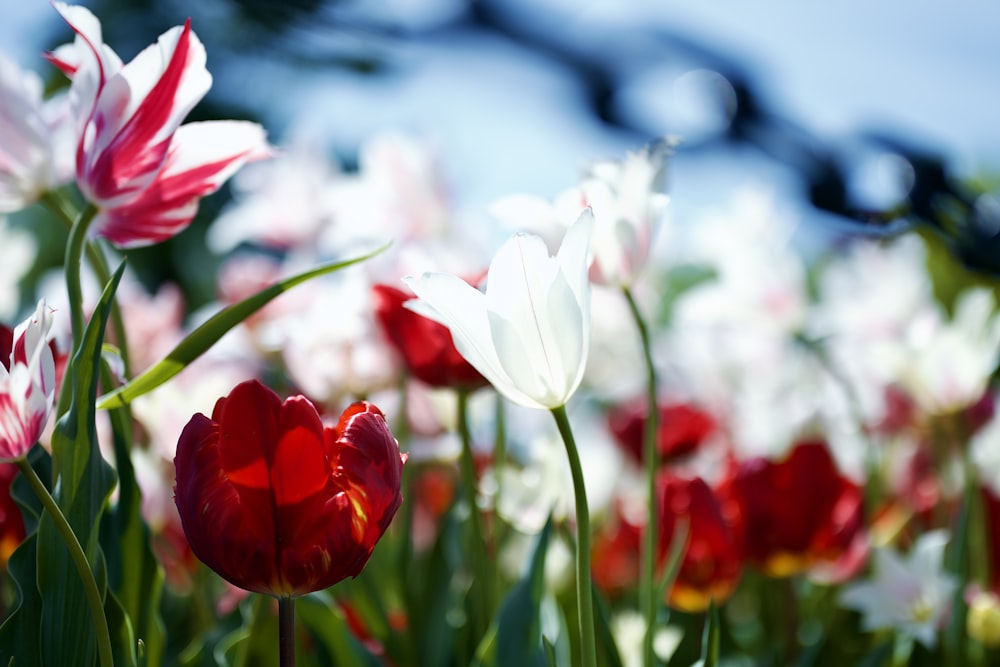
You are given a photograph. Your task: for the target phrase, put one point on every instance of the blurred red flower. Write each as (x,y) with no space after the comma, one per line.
(12,531)
(991,511)
(796,513)
(681,430)
(712,562)
(277,503)
(614,554)
(425,345)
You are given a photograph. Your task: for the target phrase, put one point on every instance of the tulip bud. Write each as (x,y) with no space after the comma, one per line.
(277,503)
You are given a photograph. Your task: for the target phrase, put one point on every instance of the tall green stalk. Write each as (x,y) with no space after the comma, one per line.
(74,288)
(63,209)
(647,572)
(584,591)
(72,266)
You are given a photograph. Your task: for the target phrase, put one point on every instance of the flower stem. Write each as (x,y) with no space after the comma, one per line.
(94,599)
(478,537)
(286,632)
(66,212)
(74,288)
(647,589)
(584,594)
(73,260)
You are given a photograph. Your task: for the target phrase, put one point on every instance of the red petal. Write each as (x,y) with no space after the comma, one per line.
(248,434)
(299,468)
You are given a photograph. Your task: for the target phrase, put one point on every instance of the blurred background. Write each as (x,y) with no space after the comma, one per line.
(857,116)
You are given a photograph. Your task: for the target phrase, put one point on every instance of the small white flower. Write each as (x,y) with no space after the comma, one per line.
(911,595)
(629,204)
(529,333)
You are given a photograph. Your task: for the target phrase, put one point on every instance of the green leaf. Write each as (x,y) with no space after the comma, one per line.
(550,653)
(435,600)
(675,283)
(19,635)
(519,623)
(205,336)
(710,640)
(605,636)
(879,657)
(134,574)
(955,639)
(677,545)
(318,614)
(122,637)
(83,486)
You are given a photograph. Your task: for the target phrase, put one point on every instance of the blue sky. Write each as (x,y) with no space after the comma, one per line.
(506,119)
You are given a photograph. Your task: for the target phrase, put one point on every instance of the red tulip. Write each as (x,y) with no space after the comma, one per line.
(614,554)
(425,345)
(682,429)
(796,513)
(277,503)
(712,562)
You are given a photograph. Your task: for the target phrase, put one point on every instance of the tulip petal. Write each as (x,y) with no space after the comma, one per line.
(573,259)
(202,157)
(248,433)
(462,308)
(299,467)
(137,113)
(520,277)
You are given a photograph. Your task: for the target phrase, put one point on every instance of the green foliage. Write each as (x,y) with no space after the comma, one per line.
(205,336)
(519,623)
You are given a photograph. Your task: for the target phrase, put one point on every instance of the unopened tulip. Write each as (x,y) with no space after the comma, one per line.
(277,503)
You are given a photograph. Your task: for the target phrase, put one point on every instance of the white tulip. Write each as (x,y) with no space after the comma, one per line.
(529,332)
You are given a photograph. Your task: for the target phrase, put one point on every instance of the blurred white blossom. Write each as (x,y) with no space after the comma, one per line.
(911,595)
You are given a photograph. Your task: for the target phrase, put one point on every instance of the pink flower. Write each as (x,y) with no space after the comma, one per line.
(134,160)
(27,385)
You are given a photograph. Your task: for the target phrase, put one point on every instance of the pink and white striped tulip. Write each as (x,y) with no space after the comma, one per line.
(135,161)
(27,386)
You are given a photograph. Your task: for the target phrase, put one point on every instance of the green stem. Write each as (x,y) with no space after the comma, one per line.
(74,288)
(286,632)
(500,527)
(647,589)
(478,537)
(73,261)
(65,211)
(94,599)
(956,640)
(584,594)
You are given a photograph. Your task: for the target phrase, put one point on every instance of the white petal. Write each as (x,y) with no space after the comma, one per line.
(129,88)
(520,278)
(574,259)
(208,142)
(454,303)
